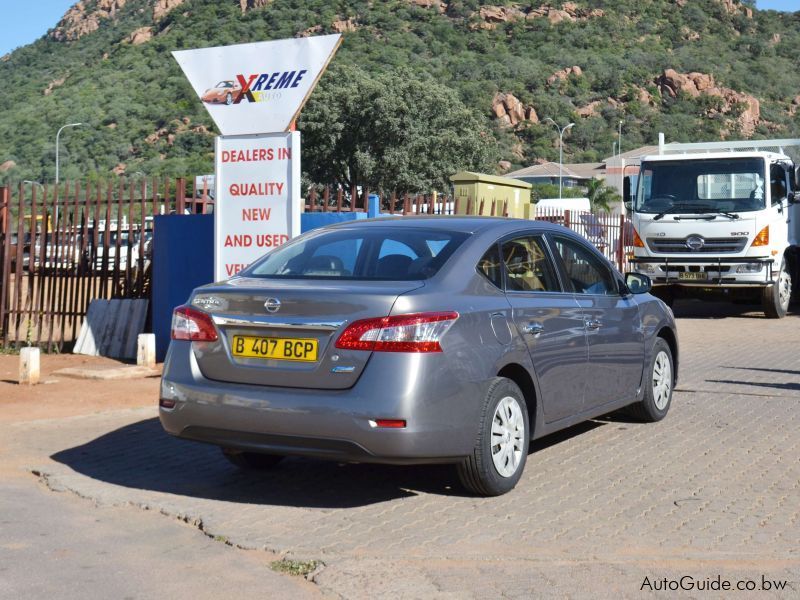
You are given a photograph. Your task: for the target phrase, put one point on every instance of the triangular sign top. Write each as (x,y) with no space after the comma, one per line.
(259,87)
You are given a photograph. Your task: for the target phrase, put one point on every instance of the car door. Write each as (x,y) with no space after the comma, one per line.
(551,323)
(613,327)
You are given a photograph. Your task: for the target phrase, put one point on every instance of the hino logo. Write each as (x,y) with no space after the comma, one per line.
(695,242)
(272,305)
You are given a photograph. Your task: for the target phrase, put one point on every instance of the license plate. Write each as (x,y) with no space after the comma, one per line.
(302,349)
(692,276)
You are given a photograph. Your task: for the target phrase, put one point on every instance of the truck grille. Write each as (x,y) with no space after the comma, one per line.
(710,245)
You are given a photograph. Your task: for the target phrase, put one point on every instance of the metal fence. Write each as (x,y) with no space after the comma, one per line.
(611,233)
(65,245)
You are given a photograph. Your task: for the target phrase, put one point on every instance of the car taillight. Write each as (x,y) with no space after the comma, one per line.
(762,239)
(420,332)
(637,241)
(193,325)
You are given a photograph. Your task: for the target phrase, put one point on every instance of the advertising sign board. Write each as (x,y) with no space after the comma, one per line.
(257,200)
(259,87)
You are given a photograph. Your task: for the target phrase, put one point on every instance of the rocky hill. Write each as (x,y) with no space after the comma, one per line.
(695,69)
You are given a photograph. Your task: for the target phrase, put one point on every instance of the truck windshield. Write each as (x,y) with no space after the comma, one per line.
(699,186)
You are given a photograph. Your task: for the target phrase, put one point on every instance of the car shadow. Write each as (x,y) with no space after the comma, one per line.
(142,456)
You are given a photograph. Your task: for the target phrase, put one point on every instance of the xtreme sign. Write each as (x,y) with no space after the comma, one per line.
(267,81)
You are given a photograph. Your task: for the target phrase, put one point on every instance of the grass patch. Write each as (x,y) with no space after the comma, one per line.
(300,568)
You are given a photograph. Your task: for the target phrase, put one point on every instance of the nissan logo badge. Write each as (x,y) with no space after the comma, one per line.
(272,305)
(695,242)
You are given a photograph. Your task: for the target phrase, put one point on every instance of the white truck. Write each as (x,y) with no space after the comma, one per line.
(719,218)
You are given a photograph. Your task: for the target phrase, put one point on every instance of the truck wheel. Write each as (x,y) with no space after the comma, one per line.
(497,461)
(775,298)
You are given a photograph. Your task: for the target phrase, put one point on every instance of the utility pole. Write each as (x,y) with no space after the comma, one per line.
(560,152)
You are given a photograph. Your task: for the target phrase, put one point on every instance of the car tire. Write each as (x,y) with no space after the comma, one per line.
(252,461)
(775,299)
(228,99)
(659,385)
(495,468)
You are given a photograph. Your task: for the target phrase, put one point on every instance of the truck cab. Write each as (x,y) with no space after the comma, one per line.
(718,222)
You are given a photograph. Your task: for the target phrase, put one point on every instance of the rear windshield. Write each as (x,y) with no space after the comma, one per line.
(374,253)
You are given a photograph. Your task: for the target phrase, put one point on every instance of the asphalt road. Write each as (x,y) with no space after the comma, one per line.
(57,545)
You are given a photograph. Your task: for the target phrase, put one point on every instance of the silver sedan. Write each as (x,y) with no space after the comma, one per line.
(417,340)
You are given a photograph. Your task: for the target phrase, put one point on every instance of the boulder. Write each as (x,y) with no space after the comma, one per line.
(313,30)
(141,35)
(344,26)
(250,4)
(437,4)
(53,85)
(80,20)
(511,111)
(590,110)
(504,166)
(671,83)
(563,74)
(162,8)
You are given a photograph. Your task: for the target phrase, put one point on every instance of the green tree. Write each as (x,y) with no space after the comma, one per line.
(601,197)
(397,131)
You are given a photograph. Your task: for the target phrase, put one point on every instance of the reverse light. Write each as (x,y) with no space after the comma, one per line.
(419,332)
(192,325)
(762,239)
(637,241)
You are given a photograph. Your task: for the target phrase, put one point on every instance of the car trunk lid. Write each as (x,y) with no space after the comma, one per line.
(257,316)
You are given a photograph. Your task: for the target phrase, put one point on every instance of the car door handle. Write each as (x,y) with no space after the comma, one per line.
(533,328)
(593,324)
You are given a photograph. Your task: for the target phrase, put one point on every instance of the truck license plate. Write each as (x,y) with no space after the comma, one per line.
(692,276)
(301,349)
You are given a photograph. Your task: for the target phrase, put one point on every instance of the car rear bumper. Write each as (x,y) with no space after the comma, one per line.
(441,409)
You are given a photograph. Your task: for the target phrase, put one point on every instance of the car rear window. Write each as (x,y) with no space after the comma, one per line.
(374,253)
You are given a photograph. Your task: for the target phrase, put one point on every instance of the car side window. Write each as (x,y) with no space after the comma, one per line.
(527,266)
(585,271)
(489,266)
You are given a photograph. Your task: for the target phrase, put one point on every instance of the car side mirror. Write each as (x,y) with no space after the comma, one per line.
(793,197)
(638,283)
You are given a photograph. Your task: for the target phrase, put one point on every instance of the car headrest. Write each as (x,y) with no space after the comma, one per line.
(393,265)
(517,258)
(324,263)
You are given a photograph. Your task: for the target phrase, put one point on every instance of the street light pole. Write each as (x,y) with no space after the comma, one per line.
(58,137)
(560,151)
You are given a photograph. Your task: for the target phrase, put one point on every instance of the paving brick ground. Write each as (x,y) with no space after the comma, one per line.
(715,488)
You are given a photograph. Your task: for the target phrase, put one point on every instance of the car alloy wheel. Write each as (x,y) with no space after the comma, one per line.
(508,429)
(501,449)
(662,380)
(657,396)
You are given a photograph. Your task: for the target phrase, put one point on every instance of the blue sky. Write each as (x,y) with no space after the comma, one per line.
(27,20)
